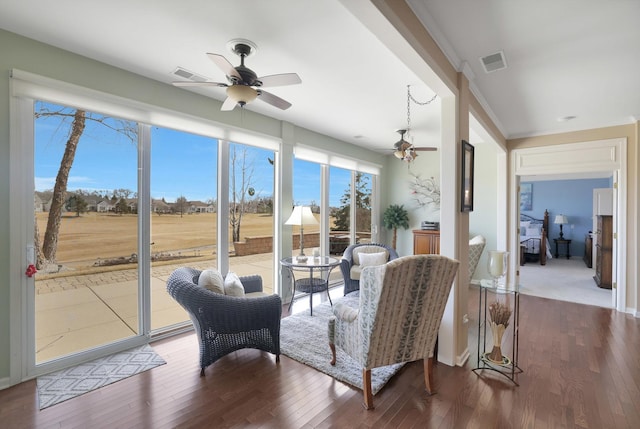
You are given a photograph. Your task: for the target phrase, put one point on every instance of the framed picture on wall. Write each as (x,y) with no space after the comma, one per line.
(526,196)
(466,196)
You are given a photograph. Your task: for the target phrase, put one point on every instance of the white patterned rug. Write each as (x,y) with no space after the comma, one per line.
(71,382)
(305,339)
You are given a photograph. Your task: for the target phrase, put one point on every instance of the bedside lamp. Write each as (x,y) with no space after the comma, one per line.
(301,215)
(561,220)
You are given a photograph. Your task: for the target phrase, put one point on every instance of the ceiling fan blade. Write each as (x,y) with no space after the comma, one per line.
(274,100)
(280,79)
(229,104)
(224,65)
(426,149)
(190,83)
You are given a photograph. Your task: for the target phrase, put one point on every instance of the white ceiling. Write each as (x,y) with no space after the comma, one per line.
(566,57)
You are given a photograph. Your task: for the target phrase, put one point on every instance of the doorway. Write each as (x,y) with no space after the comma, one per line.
(579,159)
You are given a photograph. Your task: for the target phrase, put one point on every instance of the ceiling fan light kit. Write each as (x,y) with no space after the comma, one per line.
(243,83)
(242,94)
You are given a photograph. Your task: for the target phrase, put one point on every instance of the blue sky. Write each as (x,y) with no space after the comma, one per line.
(182,164)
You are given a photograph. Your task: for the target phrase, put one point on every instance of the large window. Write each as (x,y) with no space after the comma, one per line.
(251,209)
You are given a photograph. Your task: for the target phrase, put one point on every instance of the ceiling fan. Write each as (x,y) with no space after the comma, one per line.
(406,151)
(244,84)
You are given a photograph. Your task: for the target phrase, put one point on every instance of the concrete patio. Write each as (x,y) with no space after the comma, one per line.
(78,312)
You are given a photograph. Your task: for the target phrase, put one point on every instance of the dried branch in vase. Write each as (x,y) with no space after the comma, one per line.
(499,313)
(425,191)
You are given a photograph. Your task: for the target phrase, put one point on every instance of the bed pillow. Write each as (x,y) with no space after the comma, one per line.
(372,259)
(233,285)
(211,280)
(534,231)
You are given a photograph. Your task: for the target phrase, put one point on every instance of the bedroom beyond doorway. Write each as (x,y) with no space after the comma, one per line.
(564,280)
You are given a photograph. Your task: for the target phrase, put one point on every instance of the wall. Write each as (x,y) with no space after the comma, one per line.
(31,56)
(482,220)
(427,164)
(572,198)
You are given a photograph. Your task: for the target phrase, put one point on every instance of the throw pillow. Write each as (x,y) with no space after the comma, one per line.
(233,285)
(372,259)
(212,280)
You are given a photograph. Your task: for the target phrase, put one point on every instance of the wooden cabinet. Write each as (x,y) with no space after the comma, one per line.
(588,254)
(426,242)
(604,244)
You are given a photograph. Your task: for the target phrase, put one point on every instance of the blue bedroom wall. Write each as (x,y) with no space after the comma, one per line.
(572,198)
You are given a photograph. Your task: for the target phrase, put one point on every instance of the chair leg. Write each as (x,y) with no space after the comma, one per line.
(333,353)
(428,375)
(201,372)
(366,389)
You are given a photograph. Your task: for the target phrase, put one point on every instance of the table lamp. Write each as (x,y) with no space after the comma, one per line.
(301,216)
(561,220)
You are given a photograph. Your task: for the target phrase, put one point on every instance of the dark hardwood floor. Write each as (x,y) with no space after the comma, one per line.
(581,370)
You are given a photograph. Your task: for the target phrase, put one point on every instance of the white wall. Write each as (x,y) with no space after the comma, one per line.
(483,219)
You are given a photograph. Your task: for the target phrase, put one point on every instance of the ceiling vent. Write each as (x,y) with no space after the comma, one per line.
(494,62)
(186,74)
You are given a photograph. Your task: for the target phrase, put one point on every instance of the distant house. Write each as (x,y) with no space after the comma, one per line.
(37,203)
(160,206)
(200,207)
(105,206)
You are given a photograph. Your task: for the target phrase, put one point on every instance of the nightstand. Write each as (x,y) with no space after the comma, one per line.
(563,242)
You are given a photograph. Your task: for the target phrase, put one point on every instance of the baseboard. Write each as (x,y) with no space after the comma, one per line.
(463,357)
(5,383)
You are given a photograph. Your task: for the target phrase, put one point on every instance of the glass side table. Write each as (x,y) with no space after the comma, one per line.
(497,303)
(317,269)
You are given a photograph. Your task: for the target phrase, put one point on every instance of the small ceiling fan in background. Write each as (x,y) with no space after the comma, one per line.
(406,151)
(244,85)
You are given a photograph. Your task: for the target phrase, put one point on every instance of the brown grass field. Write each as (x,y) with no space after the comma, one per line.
(95,236)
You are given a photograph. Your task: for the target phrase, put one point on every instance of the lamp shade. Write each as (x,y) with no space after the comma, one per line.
(242,94)
(561,219)
(301,216)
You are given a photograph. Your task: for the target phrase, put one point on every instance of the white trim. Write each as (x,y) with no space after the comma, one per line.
(591,156)
(319,156)
(5,383)
(462,358)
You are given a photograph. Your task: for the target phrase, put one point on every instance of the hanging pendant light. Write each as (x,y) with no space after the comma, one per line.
(402,148)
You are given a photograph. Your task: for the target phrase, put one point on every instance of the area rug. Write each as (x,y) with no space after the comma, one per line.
(304,338)
(75,381)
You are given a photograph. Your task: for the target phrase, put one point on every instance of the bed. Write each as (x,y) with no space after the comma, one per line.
(534,237)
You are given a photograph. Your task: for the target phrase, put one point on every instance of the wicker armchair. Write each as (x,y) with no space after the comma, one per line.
(400,309)
(224,323)
(349,265)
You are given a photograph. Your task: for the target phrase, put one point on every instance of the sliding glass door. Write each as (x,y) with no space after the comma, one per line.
(183,215)
(86,230)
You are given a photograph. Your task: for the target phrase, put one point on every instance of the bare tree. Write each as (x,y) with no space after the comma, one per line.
(76,120)
(181,204)
(242,172)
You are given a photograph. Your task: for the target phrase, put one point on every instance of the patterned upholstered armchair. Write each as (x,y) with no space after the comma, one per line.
(476,246)
(226,323)
(400,310)
(351,266)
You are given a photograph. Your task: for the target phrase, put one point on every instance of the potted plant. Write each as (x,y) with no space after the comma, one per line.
(394,217)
